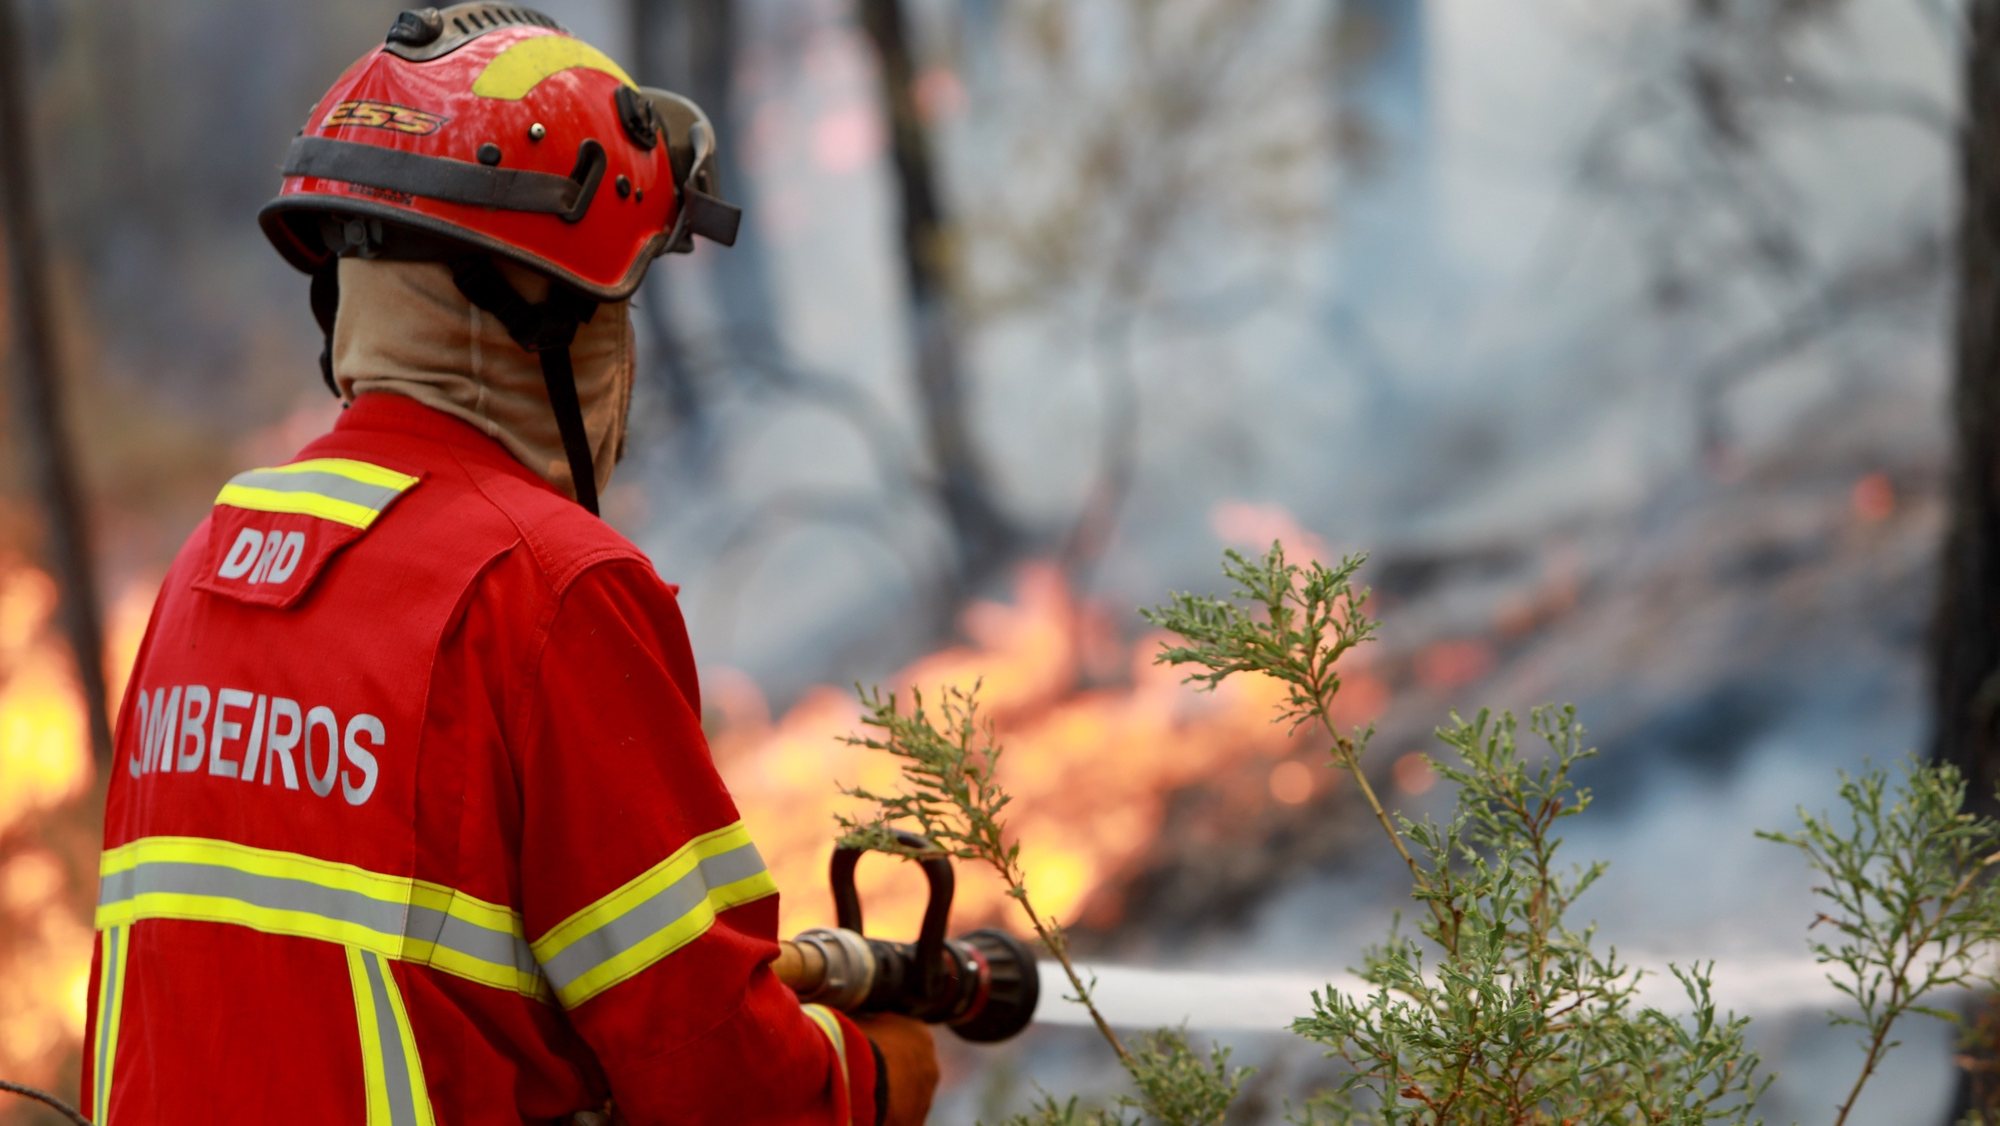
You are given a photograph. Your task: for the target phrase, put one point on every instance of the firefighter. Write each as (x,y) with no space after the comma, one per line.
(412,820)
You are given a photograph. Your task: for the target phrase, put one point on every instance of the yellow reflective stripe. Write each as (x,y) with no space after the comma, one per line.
(392,1073)
(305,924)
(312,869)
(395,903)
(372,1079)
(412,1060)
(114,942)
(221,909)
(299,504)
(257,862)
(358,471)
(663,942)
(648,884)
(338,489)
(523,66)
(663,909)
(828,1024)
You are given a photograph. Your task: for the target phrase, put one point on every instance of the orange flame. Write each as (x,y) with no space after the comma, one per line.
(45,764)
(1090,768)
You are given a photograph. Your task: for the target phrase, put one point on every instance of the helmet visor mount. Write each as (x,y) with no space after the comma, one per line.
(691,151)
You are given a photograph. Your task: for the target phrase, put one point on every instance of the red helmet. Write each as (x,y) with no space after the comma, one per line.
(488,125)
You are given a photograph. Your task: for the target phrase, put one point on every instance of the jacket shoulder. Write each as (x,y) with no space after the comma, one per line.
(561,538)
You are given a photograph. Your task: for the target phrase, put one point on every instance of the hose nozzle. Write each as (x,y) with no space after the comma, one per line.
(983,985)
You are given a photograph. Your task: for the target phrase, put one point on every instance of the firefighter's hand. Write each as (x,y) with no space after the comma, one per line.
(910,1058)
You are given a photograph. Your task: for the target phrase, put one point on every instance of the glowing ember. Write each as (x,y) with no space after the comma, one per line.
(1454,664)
(1873,498)
(940,95)
(1292,782)
(1413,774)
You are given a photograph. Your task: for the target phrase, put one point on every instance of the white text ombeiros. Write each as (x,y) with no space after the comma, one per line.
(236,733)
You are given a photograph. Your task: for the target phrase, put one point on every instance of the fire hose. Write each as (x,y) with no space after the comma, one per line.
(982,985)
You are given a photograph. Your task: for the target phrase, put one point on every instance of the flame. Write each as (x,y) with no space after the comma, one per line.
(44,765)
(1090,767)
(44,749)
(43,994)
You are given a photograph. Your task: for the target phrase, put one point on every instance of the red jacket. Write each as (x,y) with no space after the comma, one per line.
(413,822)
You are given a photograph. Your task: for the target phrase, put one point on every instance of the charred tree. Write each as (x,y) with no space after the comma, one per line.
(741,274)
(647,25)
(982,532)
(1966,669)
(1382,93)
(1966,641)
(38,391)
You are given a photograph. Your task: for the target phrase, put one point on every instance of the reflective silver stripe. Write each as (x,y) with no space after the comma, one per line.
(372,497)
(400,1086)
(111,987)
(671,904)
(395,921)
(112,937)
(471,939)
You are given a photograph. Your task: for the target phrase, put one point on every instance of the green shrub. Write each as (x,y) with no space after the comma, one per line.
(1497,1009)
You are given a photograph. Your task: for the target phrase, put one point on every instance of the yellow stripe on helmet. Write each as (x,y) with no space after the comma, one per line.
(525,65)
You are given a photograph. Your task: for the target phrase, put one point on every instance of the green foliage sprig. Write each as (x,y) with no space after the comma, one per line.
(949,795)
(1291,624)
(1497,1010)
(948,757)
(1908,907)
(1502,1012)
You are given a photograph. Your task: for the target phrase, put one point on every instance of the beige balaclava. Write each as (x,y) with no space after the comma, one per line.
(405,328)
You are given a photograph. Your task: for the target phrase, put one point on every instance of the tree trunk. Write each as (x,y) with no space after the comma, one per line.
(1387,208)
(38,391)
(1966,653)
(742,277)
(1967,640)
(982,532)
(648,26)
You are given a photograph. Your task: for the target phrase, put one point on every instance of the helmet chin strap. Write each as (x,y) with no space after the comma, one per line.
(546,330)
(325,306)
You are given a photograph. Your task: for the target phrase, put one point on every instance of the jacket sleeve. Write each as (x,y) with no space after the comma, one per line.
(644,899)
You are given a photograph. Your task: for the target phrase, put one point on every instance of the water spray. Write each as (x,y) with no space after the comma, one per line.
(1137,997)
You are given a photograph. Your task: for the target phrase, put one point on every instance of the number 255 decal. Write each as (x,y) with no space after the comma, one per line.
(383,115)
